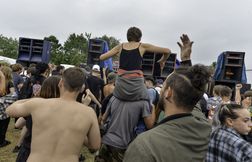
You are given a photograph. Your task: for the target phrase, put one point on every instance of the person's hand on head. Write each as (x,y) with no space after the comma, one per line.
(185,47)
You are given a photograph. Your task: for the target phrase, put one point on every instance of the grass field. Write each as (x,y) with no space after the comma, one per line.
(6,154)
(12,135)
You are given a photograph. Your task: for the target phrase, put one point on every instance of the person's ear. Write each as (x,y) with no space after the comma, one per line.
(229,122)
(168,94)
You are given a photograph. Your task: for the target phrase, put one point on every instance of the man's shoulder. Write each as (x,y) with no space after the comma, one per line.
(54,106)
(79,107)
(42,103)
(39,100)
(152,134)
(151,91)
(83,109)
(143,140)
(228,135)
(153,138)
(232,141)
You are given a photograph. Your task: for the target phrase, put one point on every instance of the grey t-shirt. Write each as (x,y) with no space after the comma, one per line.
(124,116)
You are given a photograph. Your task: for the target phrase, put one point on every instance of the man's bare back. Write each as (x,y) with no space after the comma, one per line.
(60,125)
(59,129)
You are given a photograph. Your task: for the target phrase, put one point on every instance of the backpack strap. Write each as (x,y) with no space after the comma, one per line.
(156,96)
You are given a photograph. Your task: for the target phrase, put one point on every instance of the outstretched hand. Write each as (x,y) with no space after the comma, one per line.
(185,47)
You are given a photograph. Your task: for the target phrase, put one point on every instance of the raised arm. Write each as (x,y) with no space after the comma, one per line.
(22,108)
(155,49)
(238,93)
(110,53)
(93,98)
(185,47)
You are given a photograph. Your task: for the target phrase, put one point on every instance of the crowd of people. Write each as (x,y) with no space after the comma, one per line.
(123,115)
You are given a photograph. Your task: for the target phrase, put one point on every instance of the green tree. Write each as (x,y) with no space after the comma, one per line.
(8,47)
(75,49)
(57,53)
(212,67)
(112,41)
(88,35)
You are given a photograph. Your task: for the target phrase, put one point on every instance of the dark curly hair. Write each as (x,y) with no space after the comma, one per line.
(134,34)
(188,85)
(41,67)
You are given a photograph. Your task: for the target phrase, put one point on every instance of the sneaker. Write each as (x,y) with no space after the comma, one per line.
(16,149)
(5,143)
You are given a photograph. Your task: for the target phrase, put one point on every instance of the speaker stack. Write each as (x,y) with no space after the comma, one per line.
(95,49)
(151,67)
(232,70)
(33,51)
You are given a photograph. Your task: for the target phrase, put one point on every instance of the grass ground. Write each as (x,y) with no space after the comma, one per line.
(12,135)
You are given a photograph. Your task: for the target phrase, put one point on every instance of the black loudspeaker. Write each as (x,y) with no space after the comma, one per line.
(151,67)
(148,63)
(95,49)
(245,87)
(169,65)
(232,66)
(33,51)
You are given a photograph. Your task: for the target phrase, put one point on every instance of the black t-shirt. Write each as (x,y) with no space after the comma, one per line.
(95,85)
(37,79)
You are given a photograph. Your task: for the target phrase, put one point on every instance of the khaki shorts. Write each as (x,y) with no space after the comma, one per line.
(110,154)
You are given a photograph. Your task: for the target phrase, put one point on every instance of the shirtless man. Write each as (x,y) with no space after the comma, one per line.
(60,125)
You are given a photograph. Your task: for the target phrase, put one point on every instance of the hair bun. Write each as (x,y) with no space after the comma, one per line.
(199,76)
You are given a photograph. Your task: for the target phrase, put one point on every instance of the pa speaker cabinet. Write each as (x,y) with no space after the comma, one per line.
(148,63)
(232,66)
(169,65)
(33,51)
(95,49)
(150,66)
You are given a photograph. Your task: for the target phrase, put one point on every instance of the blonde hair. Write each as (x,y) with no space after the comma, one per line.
(7,73)
(2,84)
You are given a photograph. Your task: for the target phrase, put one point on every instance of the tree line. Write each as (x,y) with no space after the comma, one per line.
(74,50)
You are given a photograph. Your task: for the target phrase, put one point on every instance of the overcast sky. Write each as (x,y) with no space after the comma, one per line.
(214,25)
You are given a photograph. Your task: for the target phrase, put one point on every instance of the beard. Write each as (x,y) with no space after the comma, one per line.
(161,103)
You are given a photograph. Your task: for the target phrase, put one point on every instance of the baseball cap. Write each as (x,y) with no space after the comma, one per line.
(96,68)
